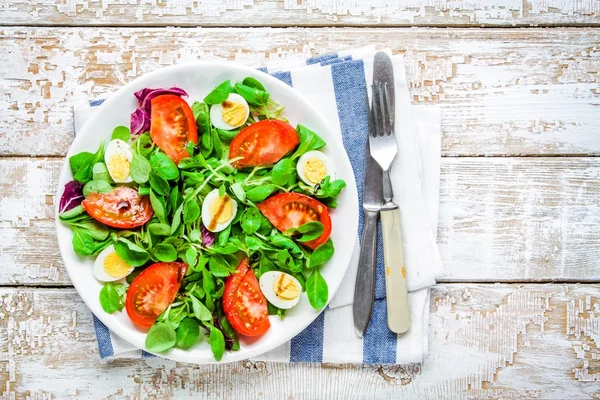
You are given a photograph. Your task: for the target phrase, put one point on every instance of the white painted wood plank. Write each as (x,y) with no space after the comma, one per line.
(503,92)
(501,219)
(301,12)
(487,341)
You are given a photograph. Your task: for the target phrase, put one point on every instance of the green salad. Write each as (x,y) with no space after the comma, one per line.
(204,220)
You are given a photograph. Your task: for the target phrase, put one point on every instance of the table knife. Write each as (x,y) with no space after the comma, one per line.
(364,290)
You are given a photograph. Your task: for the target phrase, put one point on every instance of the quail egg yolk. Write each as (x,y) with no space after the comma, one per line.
(285,288)
(119,167)
(315,170)
(115,266)
(221,210)
(233,114)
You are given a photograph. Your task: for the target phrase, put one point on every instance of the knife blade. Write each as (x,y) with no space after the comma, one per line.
(364,290)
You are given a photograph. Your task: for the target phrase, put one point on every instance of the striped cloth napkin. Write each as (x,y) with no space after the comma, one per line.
(335,84)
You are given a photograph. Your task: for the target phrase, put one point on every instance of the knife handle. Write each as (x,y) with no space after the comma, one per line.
(395,272)
(364,289)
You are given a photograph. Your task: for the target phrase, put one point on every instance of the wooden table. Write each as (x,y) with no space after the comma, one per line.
(518,313)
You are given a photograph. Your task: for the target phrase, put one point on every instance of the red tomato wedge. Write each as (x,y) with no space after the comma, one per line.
(152,291)
(121,208)
(291,210)
(244,304)
(263,143)
(172,125)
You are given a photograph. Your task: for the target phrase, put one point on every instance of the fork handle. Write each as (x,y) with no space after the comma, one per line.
(395,272)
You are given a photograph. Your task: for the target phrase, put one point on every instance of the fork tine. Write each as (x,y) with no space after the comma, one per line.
(376,107)
(383,117)
(388,108)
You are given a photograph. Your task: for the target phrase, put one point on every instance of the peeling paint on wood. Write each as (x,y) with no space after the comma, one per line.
(501,219)
(501,334)
(301,12)
(503,92)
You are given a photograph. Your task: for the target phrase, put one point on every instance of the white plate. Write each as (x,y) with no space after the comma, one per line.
(198,79)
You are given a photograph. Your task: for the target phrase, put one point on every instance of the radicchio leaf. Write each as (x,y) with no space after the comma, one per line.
(139,122)
(71,197)
(208,238)
(144,96)
(229,341)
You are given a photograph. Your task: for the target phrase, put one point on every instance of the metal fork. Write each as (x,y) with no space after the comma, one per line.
(384,149)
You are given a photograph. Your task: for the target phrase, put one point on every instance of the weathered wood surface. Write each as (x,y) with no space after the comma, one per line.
(503,91)
(501,219)
(501,341)
(301,12)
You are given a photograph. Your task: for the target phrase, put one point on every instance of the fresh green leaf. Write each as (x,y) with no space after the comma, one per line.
(218,267)
(190,147)
(191,257)
(208,283)
(238,191)
(191,212)
(316,290)
(219,94)
(206,143)
(229,248)
(217,343)
(159,229)
(121,132)
(158,207)
(83,163)
(140,169)
(229,331)
(72,213)
(187,333)
(286,261)
(112,297)
(95,229)
(309,140)
(283,171)
(281,241)
(83,242)
(223,236)
(260,193)
(321,255)
(306,232)
(195,235)
(165,252)
(200,310)
(176,219)
(222,189)
(164,167)
(143,145)
(96,187)
(159,184)
(227,136)
(253,243)
(144,190)
(161,337)
(100,172)
(251,220)
(265,265)
(252,95)
(133,254)
(254,83)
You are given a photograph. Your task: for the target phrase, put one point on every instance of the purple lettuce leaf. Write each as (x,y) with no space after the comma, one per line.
(71,197)
(229,341)
(139,122)
(208,238)
(144,96)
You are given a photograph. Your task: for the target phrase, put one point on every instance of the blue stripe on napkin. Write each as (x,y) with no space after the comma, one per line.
(320,59)
(103,335)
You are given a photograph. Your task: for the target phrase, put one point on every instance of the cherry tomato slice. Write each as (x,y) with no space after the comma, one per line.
(172,125)
(152,291)
(263,143)
(291,210)
(244,304)
(121,208)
